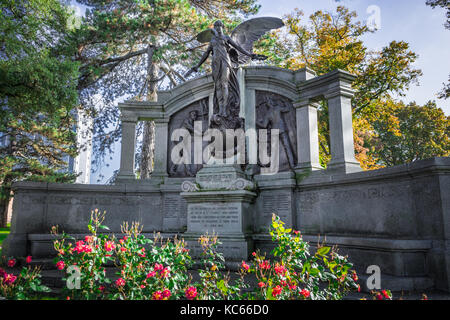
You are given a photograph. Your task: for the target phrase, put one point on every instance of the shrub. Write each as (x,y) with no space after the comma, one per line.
(298,274)
(26,285)
(158,272)
(214,283)
(158,269)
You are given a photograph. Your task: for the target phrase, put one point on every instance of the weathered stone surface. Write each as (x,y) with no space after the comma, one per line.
(281,115)
(218,176)
(181,119)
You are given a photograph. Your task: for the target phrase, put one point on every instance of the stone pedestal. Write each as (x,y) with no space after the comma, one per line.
(221,203)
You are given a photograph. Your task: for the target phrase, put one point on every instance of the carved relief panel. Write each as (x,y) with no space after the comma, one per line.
(185,118)
(274,111)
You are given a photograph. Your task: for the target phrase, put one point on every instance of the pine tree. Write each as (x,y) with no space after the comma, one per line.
(130,48)
(37,95)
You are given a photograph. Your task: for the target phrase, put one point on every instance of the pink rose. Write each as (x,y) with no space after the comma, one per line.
(120,282)
(9,278)
(245,266)
(166,293)
(60,265)
(191,293)
(109,246)
(158,295)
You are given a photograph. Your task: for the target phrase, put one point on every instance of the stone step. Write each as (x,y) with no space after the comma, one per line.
(398,284)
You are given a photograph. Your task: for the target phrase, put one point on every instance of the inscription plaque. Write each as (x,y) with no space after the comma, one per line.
(217,217)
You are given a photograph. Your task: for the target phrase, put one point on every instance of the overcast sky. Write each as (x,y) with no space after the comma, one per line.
(408,20)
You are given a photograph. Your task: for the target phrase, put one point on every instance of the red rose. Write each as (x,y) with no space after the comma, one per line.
(280,269)
(276,291)
(28,259)
(305,293)
(385,294)
(11,263)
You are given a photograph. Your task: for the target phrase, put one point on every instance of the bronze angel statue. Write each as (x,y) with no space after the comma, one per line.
(228,52)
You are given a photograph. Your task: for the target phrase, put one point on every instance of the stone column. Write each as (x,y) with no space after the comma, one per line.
(241,80)
(127,151)
(250,125)
(341,133)
(307,136)
(161,139)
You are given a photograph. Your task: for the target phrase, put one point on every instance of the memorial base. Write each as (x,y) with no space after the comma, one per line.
(224,209)
(234,249)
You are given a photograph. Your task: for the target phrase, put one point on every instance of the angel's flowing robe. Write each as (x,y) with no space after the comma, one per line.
(226,86)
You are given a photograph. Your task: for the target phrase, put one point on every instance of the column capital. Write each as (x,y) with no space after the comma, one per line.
(341,91)
(306,103)
(161,121)
(128,118)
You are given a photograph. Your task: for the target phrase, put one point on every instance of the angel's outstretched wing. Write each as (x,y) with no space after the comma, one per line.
(251,30)
(205,36)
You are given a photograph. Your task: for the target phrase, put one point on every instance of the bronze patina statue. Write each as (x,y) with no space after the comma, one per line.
(228,52)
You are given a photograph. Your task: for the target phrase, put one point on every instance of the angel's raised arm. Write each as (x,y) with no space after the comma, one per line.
(204,57)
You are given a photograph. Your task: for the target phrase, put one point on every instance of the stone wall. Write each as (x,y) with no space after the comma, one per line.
(397,218)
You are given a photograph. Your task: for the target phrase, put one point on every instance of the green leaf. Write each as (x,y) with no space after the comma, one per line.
(323,251)
(269,295)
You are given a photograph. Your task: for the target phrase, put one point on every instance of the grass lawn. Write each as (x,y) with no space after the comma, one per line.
(3,234)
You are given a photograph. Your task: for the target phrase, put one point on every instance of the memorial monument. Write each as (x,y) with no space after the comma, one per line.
(234,146)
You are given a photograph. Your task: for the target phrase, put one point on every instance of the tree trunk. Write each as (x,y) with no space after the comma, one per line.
(148,141)
(148,147)
(4,204)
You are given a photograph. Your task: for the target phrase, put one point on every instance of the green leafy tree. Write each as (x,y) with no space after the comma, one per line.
(443,4)
(37,95)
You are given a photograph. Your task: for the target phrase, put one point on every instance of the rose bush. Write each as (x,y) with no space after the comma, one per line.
(158,269)
(26,285)
(146,269)
(298,274)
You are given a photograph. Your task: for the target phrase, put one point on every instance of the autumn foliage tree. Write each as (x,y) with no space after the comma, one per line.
(329,41)
(406,133)
(37,95)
